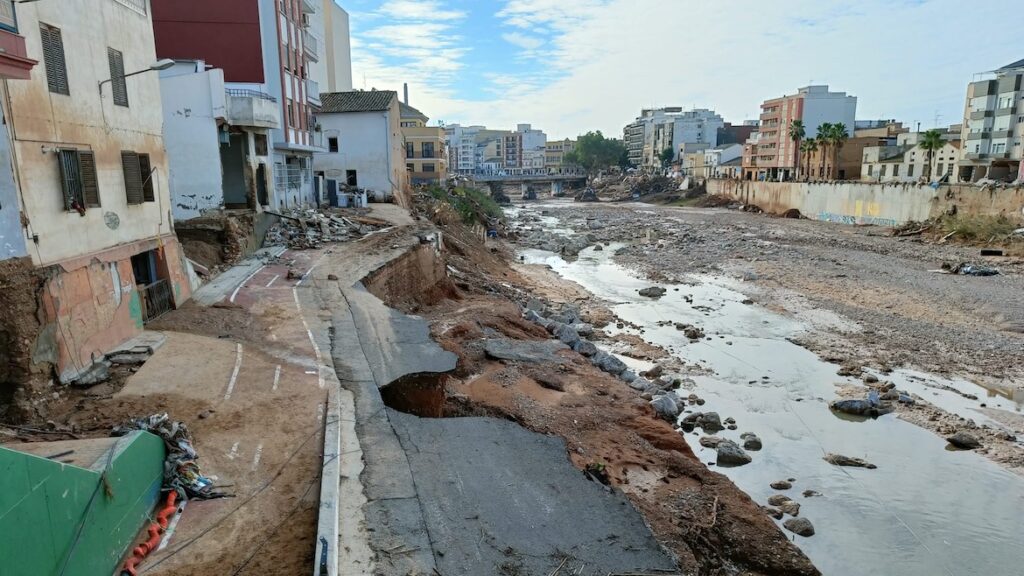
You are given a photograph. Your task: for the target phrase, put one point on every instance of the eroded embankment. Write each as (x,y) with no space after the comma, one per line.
(610,434)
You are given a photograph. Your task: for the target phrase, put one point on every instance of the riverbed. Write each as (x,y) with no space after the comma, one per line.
(925,510)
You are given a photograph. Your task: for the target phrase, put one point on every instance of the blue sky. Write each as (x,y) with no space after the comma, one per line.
(569,66)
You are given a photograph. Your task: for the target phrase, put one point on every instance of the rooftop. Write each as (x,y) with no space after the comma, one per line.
(356,101)
(410,112)
(1013,66)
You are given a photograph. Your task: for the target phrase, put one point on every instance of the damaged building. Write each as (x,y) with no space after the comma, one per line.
(88,252)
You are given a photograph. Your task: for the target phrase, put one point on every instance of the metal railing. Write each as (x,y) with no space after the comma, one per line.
(137,5)
(312,89)
(311,44)
(247,93)
(291,177)
(157,299)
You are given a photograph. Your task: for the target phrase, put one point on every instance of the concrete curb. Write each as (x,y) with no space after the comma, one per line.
(326,559)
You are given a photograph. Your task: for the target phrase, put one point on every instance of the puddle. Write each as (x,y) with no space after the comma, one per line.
(924,511)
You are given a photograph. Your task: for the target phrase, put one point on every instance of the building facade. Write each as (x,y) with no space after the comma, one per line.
(660,129)
(773,154)
(426,159)
(715,158)
(905,161)
(993,127)
(555,151)
(365,147)
(86,173)
(271,50)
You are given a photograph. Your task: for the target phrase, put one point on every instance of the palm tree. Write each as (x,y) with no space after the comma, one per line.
(824,138)
(809,147)
(930,142)
(837,137)
(796,134)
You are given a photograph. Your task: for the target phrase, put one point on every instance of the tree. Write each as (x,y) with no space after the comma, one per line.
(809,147)
(837,138)
(667,156)
(594,152)
(824,132)
(797,132)
(930,142)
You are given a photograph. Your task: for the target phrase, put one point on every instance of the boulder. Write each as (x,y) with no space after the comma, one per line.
(791,508)
(730,454)
(640,384)
(535,305)
(840,460)
(535,317)
(608,363)
(528,351)
(653,292)
(773,512)
(781,485)
(751,441)
(964,441)
(627,376)
(811,493)
(778,499)
(710,441)
(583,329)
(800,527)
(585,347)
(710,422)
(666,408)
(567,334)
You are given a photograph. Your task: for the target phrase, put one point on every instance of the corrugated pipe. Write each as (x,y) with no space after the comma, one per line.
(155,531)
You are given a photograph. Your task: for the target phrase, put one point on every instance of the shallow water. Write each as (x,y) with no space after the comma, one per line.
(925,511)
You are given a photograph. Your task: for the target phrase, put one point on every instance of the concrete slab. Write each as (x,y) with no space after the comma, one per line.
(223,285)
(500,499)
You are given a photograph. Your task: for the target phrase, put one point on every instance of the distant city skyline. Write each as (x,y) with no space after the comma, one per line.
(570,66)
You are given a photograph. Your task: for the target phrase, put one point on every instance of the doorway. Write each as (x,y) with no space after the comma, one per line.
(155,294)
(232,162)
(261,184)
(350,178)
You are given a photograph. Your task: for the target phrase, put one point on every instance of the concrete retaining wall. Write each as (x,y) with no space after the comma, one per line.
(878,204)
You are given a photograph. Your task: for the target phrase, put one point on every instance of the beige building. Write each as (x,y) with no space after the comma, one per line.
(84,161)
(426,159)
(993,127)
(906,161)
(555,151)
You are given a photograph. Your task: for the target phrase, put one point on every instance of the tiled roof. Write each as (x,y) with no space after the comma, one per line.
(356,101)
(410,112)
(1017,64)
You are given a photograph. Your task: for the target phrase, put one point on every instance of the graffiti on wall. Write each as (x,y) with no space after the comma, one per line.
(850,219)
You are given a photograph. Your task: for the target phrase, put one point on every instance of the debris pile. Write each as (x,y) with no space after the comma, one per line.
(587,195)
(310,229)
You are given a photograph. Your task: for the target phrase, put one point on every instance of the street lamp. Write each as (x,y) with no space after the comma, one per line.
(162,64)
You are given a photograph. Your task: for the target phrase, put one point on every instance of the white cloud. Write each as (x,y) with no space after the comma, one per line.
(430,10)
(523,41)
(604,60)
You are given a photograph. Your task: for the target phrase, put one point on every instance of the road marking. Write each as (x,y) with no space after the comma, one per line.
(272,280)
(234,373)
(256,457)
(319,413)
(234,451)
(172,525)
(244,282)
(277,377)
(312,340)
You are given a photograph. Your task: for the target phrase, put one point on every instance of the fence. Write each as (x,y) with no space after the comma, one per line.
(157,300)
(246,93)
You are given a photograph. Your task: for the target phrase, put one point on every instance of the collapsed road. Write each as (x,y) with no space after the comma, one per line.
(766,294)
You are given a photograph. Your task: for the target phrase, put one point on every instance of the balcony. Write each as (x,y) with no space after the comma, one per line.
(985,135)
(252,108)
(1007,111)
(308,7)
(980,114)
(14,61)
(311,45)
(312,91)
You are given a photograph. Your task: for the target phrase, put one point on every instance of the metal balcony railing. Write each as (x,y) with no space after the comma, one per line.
(311,44)
(312,90)
(246,93)
(137,5)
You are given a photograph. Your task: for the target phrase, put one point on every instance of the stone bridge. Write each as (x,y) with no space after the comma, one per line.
(525,178)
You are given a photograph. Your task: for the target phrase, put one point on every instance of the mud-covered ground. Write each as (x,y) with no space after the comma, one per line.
(871,301)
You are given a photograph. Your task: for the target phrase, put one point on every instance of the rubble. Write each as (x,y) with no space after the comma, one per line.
(310,229)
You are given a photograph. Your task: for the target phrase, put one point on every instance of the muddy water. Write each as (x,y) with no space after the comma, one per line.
(925,510)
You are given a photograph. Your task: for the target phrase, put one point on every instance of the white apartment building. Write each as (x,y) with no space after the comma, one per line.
(717,157)
(993,128)
(656,130)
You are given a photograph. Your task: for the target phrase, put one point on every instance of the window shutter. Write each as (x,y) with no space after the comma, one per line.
(90,185)
(69,177)
(53,57)
(118,83)
(132,177)
(147,178)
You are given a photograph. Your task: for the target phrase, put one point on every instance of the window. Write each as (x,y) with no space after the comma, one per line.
(871,170)
(260,142)
(350,178)
(53,57)
(910,170)
(291,112)
(410,150)
(428,168)
(332,144)
(78,179)
(428,150)
(896,171)
(941,169)
(117,81)
(883,170)
(410,168)
(138,177)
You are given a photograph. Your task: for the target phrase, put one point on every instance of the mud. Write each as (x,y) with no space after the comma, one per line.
(21,382)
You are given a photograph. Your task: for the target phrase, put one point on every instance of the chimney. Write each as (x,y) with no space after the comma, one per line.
(405,88)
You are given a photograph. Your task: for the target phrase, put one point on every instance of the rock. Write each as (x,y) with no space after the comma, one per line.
(811,494)
(840,460)
(567,334)
(710,441)
(791,508)
(964,441)
(730,454)
(751,441)
(778,500)
(205,414)
(856,407)
(1004,435)
(529,351)
(655,372)
(598,248)
(730,420)
(710,422)
(535,317)
(666,408)
(585,347)
(773,512)
(781,485)
(653,292)
(554,325)
(870,379)
(608,363)
(583,329)
(640,384)
(535,305)
(332,276)
(628,376)
(95,374)
(800,527)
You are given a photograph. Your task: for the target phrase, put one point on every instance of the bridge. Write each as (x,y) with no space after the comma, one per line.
(525,177)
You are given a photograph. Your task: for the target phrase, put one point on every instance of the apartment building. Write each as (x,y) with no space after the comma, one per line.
(671,128)
(718,157)
(334,70)
(993,126)
(905,161)
(426,159)
(525,148)
(88,253)
(555,151)
(365,148)
(271,50)
(772,155)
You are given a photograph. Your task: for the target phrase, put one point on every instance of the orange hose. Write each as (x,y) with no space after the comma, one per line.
(155,530)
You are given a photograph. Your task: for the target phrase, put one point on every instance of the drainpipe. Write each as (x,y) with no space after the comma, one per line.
(387,149)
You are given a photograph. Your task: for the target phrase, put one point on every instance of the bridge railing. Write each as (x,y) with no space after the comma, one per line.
(525,174)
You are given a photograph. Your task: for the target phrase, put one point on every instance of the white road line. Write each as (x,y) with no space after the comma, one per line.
(272,280)
(234,451)
(234,373)
(277,377)
(244,282)
(319,413)
(312,340)
(172,525)
(256,457)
